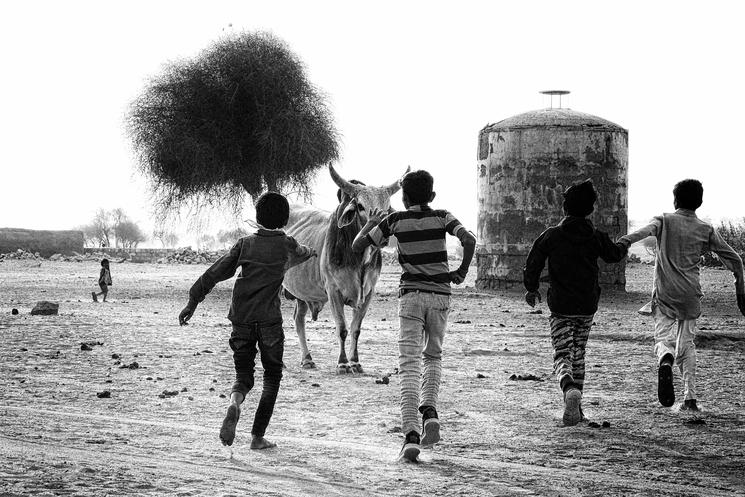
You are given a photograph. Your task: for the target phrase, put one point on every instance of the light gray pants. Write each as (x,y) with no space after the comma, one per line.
(675,337)
(424,318)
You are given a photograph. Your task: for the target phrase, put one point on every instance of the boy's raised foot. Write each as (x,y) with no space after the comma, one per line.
(665,389)
(572,412)
(259,443)
(95,298)
(410,450)
(430,427)
(227,432)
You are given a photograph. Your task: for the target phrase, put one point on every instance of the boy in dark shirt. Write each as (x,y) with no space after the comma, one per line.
(572,249)
(424,299)
(263,258)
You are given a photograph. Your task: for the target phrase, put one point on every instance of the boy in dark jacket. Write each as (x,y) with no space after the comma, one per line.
(263,258)
(572,249)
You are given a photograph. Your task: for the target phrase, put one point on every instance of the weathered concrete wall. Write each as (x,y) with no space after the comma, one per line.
(44,242)
(522,174)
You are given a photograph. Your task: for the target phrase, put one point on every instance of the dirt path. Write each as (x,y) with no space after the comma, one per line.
(340,434)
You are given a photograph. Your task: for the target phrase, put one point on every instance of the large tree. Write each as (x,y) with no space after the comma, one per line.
(240,117)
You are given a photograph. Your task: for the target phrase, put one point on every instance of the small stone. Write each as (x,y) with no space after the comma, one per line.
(593,424)
(395,429)
(190,397)
(184,389)
(115,356)
(85,346)
(479,375)
(315,385)
(382,381)
(212,389)
(104,395)
(207,351)
(14,312)
(222,395)
(606,424)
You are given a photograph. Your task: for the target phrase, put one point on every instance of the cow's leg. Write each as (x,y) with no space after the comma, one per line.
(357,316)
(337,309)
(301,309)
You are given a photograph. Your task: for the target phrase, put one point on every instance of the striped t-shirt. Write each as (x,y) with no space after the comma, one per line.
(422,253)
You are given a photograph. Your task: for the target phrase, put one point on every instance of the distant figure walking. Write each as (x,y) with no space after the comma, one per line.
(676,299)
(424,300)
(104,281)
(572,249)
(255,313)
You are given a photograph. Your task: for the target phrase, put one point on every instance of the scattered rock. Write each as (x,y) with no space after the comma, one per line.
(383,380)
(464,321)
(222,395)
(315,385)
(85,346)
(184,389)
(395,429)
(593,424)
(14,312)
(606,424)
(104,395)
(45,308)
(134,365)
(168,393)
(479,375)
(115,356)
(206,351)
(524,377)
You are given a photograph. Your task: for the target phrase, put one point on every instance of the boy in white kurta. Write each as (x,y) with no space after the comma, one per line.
(676,300)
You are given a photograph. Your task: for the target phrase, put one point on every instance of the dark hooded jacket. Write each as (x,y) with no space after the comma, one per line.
(572,249)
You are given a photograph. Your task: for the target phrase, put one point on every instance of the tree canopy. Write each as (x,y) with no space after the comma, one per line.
(241,117)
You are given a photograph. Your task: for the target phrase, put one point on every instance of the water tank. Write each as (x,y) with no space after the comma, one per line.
(525,163)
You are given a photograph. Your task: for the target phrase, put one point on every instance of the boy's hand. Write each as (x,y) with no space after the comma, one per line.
(376,215)
(741,303)
(458,276)
(530,298)
(185,316)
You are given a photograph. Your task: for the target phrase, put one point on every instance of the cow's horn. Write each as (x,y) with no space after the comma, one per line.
(345,185)
(394,187)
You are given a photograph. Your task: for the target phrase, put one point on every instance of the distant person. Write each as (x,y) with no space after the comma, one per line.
(263,258)
(104,281)
(424,300)
(676,299)
(572,249)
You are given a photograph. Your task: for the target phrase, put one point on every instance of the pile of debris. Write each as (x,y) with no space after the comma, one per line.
(188,256)
(20,254)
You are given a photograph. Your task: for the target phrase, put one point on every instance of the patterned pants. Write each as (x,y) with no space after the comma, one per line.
(569,337)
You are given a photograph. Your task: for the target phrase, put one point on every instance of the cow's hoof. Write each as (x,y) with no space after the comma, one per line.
(357,368)
(343,369)
(308,364)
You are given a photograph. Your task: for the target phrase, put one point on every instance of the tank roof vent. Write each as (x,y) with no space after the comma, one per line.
(555,92)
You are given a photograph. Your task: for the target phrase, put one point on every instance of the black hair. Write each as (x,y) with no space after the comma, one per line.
(104,262)
(417,185)
(579,199)
(689,194)
(272,210)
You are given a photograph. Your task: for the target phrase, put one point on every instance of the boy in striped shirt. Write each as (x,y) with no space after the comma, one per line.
(424,299)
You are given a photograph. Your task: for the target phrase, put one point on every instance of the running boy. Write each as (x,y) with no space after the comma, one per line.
(255,314)
(676,299)
(572,249)
(424,299)
(104,281)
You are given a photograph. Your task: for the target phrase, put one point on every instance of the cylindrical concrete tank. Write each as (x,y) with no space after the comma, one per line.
(525,163)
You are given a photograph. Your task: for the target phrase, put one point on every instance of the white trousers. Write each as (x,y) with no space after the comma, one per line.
(675,337)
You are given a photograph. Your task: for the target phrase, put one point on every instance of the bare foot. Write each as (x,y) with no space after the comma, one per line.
(258,443)
(227,432)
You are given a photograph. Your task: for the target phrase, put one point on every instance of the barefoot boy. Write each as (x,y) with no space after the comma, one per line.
(676,299)
(104,281)
(424,299)
(572,249)
(263,258)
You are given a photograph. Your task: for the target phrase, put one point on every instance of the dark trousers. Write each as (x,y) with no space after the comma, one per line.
(271,344)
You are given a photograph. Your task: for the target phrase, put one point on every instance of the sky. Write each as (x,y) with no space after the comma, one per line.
(409,83)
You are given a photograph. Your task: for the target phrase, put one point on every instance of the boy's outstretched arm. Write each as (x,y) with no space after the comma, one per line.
(532,271)
(221,270)
(652,229)
(362,241)
(298,253)
(612,252)
(733,262)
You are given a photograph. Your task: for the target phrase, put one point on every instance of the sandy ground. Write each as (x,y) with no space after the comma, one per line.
(339,435)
